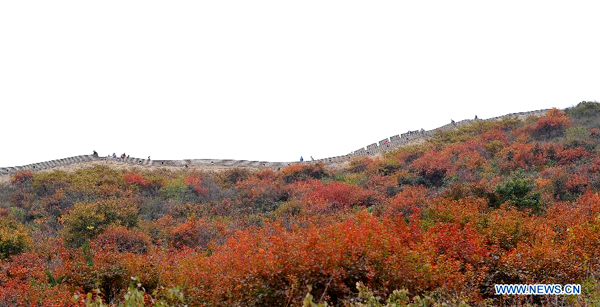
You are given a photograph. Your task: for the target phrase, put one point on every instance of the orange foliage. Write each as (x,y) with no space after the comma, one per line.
(445,219)
(337,196)
(271,267)
(195,180)
(195,233)
(21,177)
(122,239)
(553,124)
(136,179)
(410,200)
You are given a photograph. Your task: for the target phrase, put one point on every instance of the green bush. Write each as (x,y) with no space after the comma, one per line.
(14,238)
(398,298)
(518,192)
(136,296)
(584,109)
(586,114)
(178,191)
(86,220)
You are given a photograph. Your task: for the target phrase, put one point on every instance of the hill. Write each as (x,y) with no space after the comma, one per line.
(385,145)
(439,218)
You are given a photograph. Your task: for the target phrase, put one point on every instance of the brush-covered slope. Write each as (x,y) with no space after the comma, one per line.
(494,202)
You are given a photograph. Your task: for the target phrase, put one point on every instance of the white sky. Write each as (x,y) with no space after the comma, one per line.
(273,80)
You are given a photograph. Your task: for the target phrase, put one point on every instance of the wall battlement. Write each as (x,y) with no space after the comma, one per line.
(386,144)
(396,141)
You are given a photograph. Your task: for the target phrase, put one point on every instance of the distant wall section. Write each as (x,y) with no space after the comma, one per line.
(386,144)
(410,137)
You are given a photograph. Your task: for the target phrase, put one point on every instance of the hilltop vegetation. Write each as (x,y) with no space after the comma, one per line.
(494,202)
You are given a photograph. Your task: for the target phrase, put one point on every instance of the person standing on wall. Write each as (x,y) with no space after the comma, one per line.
(301,159)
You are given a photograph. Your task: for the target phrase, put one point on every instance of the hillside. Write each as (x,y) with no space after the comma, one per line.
(375,149)
(431,218)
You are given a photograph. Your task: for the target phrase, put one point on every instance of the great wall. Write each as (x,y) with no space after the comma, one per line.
(395,141)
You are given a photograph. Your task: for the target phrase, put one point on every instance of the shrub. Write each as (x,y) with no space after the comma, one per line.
(21,177)
(342,196)
(518,191)
(136,295)
(433,167)
(195,182)
(235,175)
(260,195)
(586,114)
(407,202)
(86,220)
(178,191)
(14,238)
(408,178)
(134,178)
(359,165)
(553,125)
(122,239)
(195,234)
(298,172)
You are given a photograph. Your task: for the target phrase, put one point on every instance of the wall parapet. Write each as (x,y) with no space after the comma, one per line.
(403,139)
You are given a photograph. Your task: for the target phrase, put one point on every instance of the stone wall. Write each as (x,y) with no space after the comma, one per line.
(403,139)
(48,164)
(142,162)
(387,144)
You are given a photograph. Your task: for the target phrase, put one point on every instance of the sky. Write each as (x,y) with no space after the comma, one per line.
(274,80)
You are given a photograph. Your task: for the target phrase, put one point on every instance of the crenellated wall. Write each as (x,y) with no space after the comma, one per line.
(142,162)
(409,137)
(387,144)
(48,164)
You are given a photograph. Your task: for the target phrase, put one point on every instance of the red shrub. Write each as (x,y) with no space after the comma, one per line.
(195,180)
(568,156)
(518,155)
(123,240)
(136,179)
(342,195)
(494,135)
(270,266)
(261,195)
(196,234)
(297,172)
(410,200)
(552,125)
(465,245)
(433,166)
(21,177)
